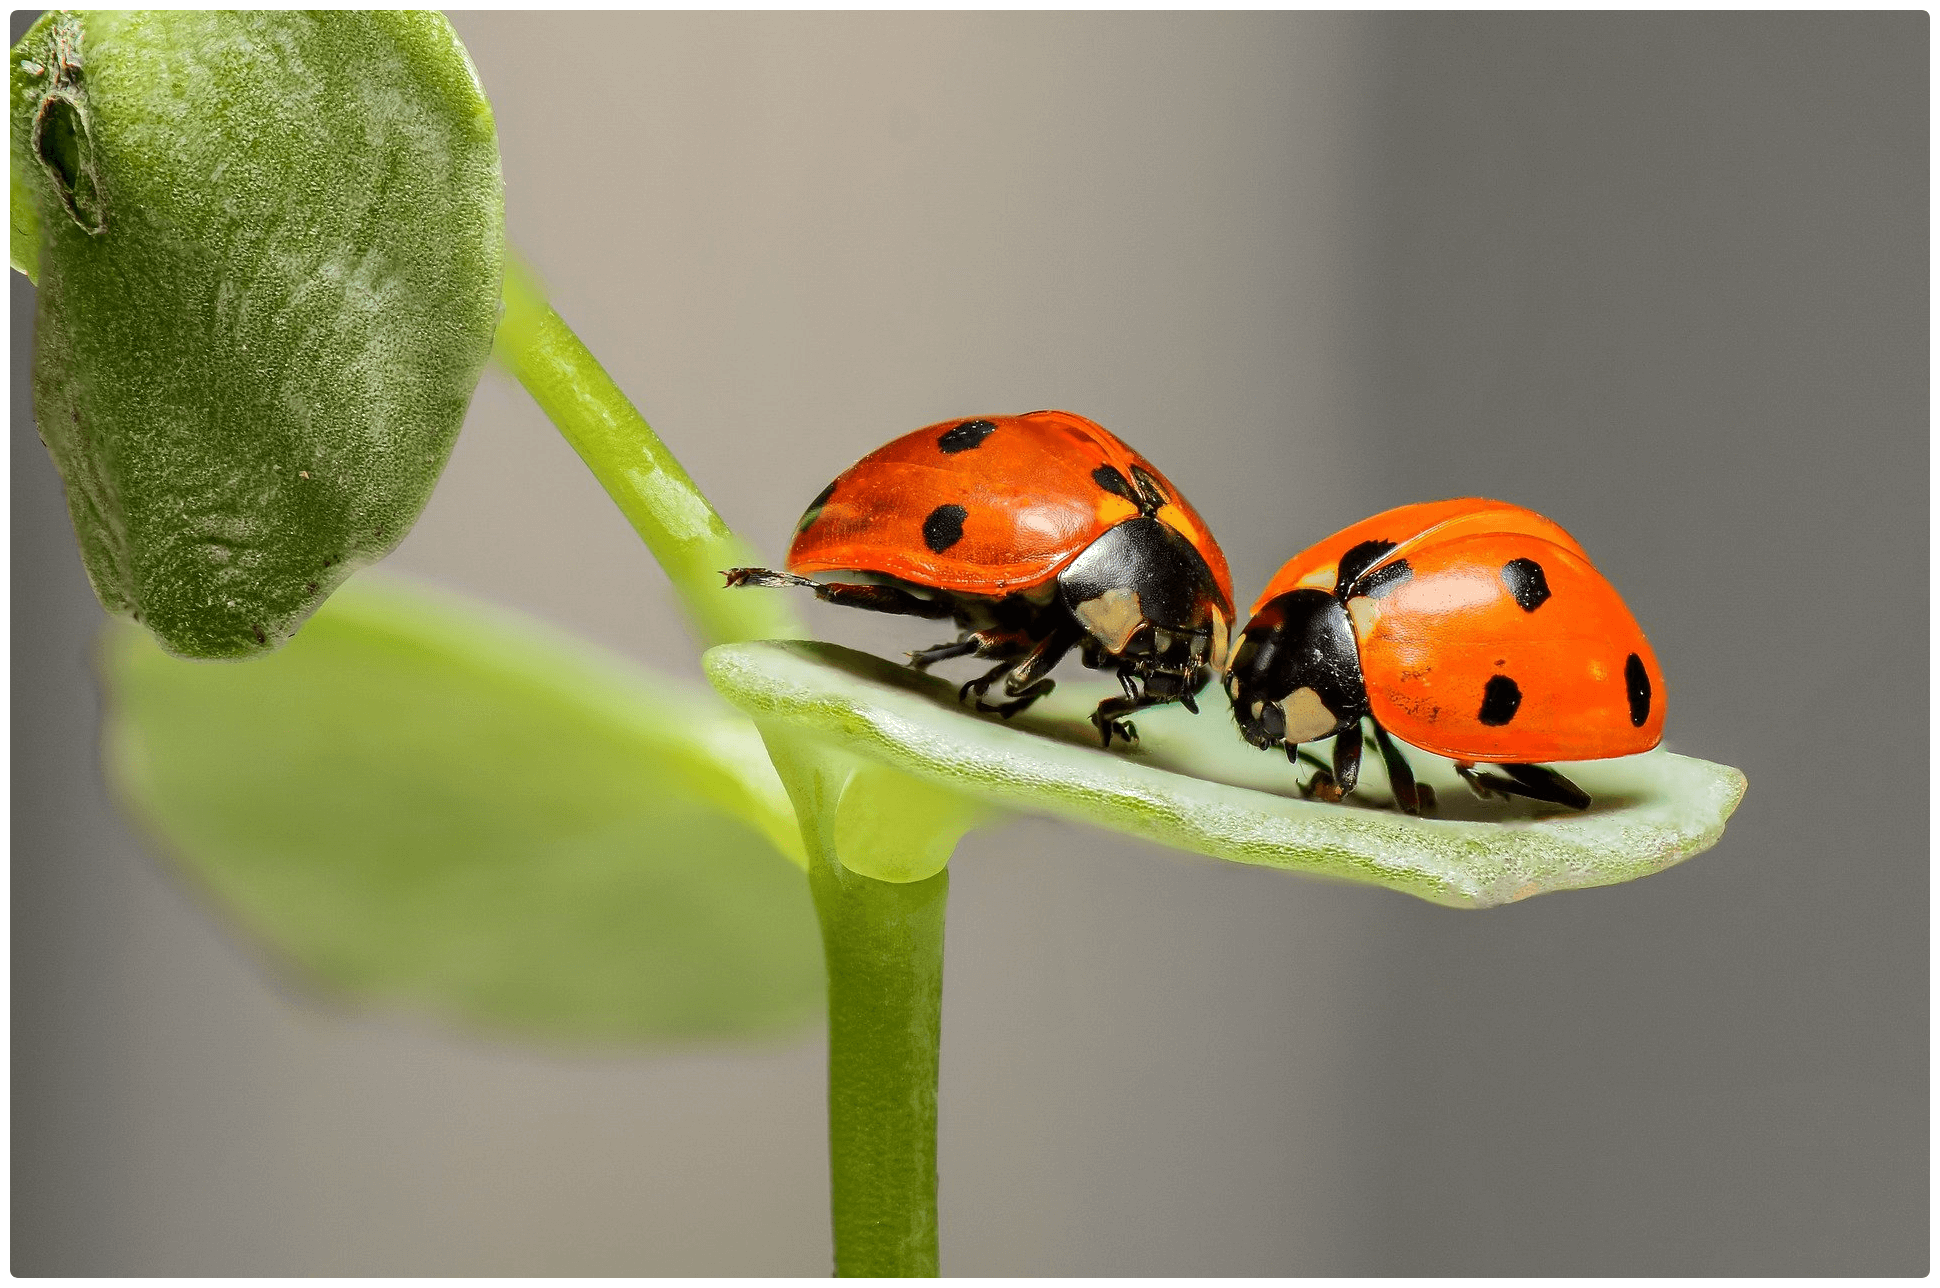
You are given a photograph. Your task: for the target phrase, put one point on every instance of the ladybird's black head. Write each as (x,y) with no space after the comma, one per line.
(1147,600)
(1296,675)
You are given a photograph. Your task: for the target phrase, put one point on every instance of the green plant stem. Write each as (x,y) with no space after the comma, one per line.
(883,941)
(679,525)
(883,945)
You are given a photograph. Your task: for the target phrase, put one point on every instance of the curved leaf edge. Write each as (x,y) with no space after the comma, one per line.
(520,650)
(1655,810)
(574,671)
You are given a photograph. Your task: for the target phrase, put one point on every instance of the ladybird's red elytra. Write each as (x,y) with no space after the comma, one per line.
(1036,534)
(1472,629)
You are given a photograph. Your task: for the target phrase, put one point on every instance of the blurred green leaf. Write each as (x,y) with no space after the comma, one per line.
(446,809)
(1194,784)
(267,246)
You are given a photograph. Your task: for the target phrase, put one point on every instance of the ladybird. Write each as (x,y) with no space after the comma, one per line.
(1035,534)
(1472,629)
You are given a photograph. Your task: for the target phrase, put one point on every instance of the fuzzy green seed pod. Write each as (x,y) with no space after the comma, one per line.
(268,248)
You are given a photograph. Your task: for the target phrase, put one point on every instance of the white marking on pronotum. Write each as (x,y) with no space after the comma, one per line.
(1112,617)
(1218,654)
(1307,716)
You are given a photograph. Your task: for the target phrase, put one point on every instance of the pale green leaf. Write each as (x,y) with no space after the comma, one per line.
(435,807)
(1194,784)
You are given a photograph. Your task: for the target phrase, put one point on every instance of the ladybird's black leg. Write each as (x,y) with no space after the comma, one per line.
(1401,776)
(1537,782)
(1105,718)
(1102,719)
(995,642)
(882,599)
(1024,698)
(1029,678)
(1025,679)
(1004,645)
(1541,783)
(1486,786)
(923,659)
(876,599)
(1347,757)
(981,685)
(1321,782)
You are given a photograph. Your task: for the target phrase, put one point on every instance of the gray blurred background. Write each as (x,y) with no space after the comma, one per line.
(1662,277)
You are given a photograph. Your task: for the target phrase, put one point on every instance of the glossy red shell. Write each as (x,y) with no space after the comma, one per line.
(1431,643)
(1029,497)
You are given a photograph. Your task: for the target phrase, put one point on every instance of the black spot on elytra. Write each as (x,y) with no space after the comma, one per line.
(944,527)
(1525,580)
(1384,579)
(814,510)
(1500,698)
(1357,561)
(1112,481)
(962,438)
(1637,682)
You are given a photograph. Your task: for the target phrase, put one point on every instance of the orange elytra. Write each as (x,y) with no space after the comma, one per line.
(1473,629)
(1037,534)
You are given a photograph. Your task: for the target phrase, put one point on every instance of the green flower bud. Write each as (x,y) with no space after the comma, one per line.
(268,248)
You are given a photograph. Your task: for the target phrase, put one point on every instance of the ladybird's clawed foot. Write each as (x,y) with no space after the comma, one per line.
(1321,784)
(981,685)
(1020,702)
(925,658)
(1161,686)
(1023,678)
(1106,720)
(1485,786)
(1322,787)
(1410,797)
(1536,782)
(1109,728)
